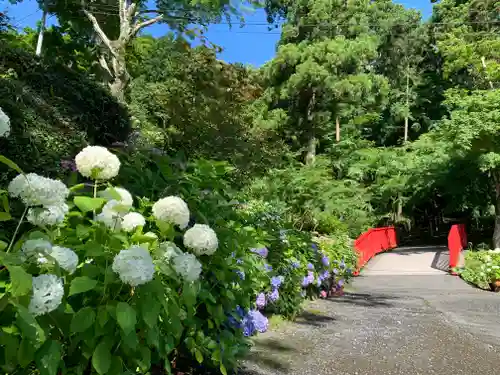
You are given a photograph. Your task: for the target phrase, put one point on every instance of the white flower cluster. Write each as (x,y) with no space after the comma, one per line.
(172,210)
(43,252)
(4,124)
(36,250)
(48,292)
(134,266)
(35,190)
(97,162)
(201,239)
(66,258)
(169,250)
(111,215)
(51,215)
(187,266)
(132,220)
(118,194)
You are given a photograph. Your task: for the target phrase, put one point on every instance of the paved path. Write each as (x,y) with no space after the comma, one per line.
(389,324)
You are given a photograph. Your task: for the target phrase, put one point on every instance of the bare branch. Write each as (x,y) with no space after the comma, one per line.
(141,25)
(97,28)
(121,10)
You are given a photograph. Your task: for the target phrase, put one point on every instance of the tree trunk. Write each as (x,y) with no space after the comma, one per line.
(311,150)
(43,23)
(311,141)
(120,76)
(407,114)
(496,232)
(337,129)
(113,57)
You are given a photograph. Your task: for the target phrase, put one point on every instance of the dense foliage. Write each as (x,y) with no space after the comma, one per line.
(366,116)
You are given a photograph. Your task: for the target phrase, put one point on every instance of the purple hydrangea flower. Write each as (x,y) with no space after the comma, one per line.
(273,296)
(310,266)
(295,265)
(325,260)
(263,252)
(239,261)
(240,274)
(240,311)
(314,247)
(248,326)
(261,301)
(268,267)
(276,281)
(340,283)
(335,271)
(324,275)
(309,279)
(305,281)
(342,265)
(260,322)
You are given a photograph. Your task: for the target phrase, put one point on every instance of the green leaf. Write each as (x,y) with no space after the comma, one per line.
(10,164)
(5,216)
(48,358)
(81,284)
(101,358)
(5,203)
(3,245)
(26,353)
(30,327)
(126,317)
(150,310)
(21,281)
(198,355)
(86,204)
(82,320)
(223,369)
(145,361)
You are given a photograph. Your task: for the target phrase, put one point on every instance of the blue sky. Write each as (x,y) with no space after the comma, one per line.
(253,44)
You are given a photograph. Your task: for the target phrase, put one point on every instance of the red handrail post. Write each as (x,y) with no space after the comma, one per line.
(457,241)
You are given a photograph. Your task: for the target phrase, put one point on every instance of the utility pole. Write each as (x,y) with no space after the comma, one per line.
(43,22)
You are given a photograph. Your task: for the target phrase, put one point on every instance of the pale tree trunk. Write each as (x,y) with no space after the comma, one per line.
(311,140)
(337,129)
(43,23)
(407,114)
(112,58)
(496,232)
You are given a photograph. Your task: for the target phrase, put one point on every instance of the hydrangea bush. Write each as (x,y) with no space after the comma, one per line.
(95,280)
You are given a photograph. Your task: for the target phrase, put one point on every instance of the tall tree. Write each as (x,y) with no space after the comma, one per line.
(114,24)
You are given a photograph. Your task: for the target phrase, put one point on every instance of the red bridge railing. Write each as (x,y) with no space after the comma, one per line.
(457,241)
(373,242)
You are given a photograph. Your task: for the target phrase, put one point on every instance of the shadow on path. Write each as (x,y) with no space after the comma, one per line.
(365,299)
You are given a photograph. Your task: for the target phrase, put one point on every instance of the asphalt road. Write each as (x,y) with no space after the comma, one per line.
(388,324)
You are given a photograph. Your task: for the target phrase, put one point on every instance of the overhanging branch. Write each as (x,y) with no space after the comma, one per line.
(141,25)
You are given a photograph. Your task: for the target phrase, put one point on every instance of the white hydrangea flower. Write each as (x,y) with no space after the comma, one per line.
(201,239)
(51,215)
(125,200)
(37,250)
(134,266)
(132,220)
(48,292)
(97,162)
(66,258)
(172,210)
(187,266)
(111,218)
(35,190)
(169,250)
(4,124)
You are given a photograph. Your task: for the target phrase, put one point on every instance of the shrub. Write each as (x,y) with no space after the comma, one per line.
(116,284)
(481,268)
